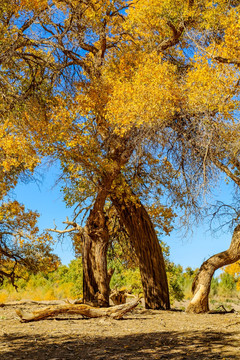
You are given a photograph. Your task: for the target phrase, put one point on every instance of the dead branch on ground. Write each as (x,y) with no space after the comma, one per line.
(114,312)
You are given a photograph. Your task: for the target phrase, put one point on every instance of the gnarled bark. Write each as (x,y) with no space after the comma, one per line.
(202,282)
(95,237)
(148,250)
(96,278)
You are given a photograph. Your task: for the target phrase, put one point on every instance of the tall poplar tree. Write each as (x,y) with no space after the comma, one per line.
(139,89)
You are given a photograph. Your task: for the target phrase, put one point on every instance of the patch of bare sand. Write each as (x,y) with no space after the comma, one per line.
(142,334)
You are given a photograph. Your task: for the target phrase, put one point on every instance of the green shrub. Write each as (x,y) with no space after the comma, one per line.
(227,285)
(175,282)
(214,287)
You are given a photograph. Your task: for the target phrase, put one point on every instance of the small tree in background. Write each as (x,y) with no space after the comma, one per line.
(21,246)
(234,271)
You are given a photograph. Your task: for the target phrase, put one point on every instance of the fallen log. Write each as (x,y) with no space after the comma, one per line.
(114,312)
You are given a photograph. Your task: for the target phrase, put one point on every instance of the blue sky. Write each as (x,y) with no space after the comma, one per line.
(190,250)
(45,197)
(200,243)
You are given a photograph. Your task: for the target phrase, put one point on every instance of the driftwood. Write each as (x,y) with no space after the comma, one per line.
(114,312)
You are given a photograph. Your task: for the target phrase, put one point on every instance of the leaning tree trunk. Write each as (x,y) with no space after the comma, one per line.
(148,250)
(202,282)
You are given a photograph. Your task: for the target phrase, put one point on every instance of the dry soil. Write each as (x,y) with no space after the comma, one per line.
(142,334)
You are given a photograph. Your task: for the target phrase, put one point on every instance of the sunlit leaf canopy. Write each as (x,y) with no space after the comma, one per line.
(150,87)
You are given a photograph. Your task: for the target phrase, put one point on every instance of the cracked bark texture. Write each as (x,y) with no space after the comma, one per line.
(148,250)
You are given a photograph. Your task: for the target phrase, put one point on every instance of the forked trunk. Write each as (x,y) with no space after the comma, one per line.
(95,238)
(202,282)
(148,250)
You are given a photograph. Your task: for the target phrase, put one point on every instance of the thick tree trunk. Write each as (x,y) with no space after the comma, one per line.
(95,237)
(202,282)
(148,250)
(90,287)
(96,277)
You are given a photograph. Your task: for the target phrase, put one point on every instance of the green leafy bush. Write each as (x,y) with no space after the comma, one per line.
(227,285)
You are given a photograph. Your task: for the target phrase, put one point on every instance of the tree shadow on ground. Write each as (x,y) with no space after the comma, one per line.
(157,345)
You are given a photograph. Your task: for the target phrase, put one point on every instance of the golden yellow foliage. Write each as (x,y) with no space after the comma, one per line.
(146,94)
(21,245)
(234,270)
(36,5)
(211,88)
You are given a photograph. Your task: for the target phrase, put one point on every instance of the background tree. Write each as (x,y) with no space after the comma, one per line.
(234,271)
(21,246)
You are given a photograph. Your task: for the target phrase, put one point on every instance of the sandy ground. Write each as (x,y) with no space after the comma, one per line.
(142,334)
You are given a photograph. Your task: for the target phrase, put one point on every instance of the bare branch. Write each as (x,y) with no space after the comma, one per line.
(227,61)
(226,170)
(62,231)
(75,227)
